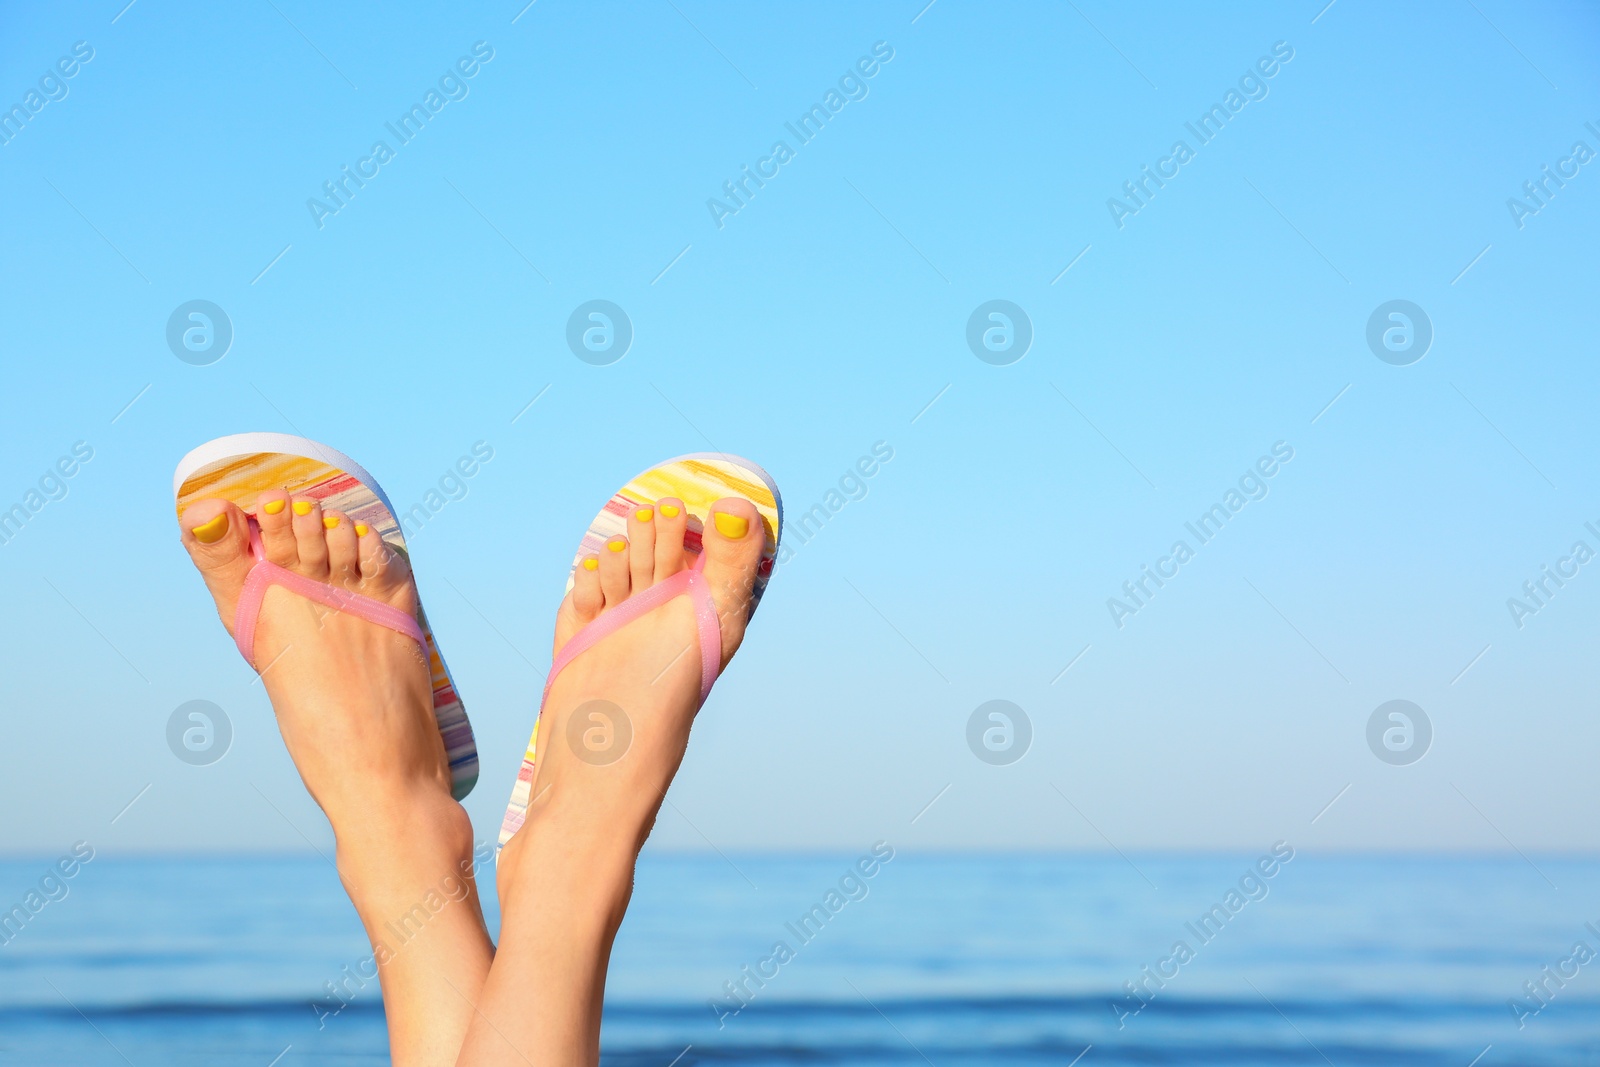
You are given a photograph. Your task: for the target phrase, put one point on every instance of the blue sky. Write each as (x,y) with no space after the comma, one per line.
(828,314)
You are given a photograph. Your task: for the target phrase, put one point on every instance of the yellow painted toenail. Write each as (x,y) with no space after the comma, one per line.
(302,507)
(644,514)
(669,511)
(330,521)
(591,564)
(209,533)
(272,507)
(732,527)
(361,529)
(616,546)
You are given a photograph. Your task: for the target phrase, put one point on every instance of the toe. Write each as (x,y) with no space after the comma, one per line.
(641,548)
(277,537)
(344,565)
(671,518)
(614,578)
(310,541)
(732,540)
(217,536)
(587,599)
(215,532)
(385,570)
(372,553)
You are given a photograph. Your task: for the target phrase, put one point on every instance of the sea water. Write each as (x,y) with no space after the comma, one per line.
(933,959)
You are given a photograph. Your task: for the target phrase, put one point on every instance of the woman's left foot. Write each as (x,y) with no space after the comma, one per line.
(636,691)
(612,733)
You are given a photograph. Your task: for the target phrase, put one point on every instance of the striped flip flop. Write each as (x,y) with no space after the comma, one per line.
(242,466)
(699,480)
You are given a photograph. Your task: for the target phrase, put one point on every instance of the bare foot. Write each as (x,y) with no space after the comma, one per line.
(566,876)
(354,702)
(647,675)
(353,699)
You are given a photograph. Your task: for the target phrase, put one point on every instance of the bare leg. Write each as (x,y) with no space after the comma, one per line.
(408,871)
(566,877)
(354,704)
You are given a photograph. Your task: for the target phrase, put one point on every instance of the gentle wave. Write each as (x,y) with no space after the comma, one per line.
(1371,1009)
(993,961)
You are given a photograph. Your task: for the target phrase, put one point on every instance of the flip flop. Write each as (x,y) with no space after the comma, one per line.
(239,468)
(699,480)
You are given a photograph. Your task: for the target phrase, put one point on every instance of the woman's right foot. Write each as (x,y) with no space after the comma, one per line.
(353,699)
(354,702)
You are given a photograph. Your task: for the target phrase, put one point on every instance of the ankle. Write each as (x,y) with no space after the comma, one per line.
(402,849)
(374,802)
(574,868)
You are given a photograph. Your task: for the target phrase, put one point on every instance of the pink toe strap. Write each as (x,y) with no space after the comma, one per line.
(265,574)
(707,626)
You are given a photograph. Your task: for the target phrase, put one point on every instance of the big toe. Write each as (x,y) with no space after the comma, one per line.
(732,541)
(217,536)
